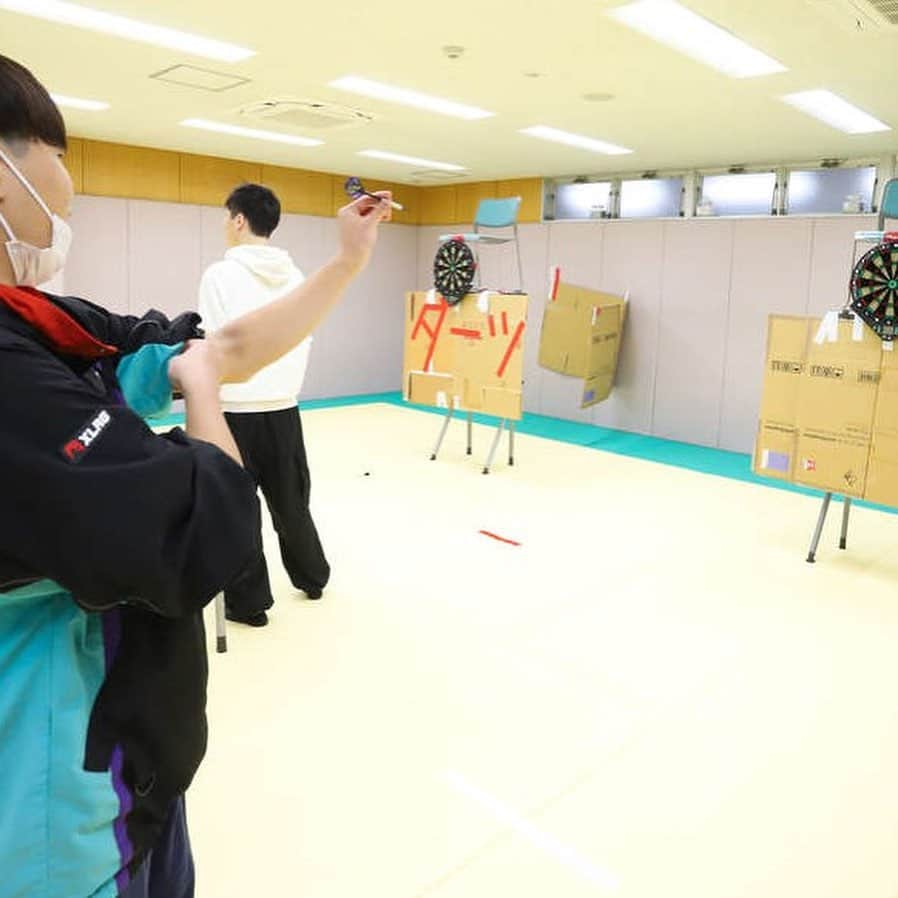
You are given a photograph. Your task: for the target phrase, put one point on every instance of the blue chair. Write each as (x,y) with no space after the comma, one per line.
(888,207)
(495,214)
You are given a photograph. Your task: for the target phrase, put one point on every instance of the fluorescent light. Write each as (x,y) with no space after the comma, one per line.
(833,110)
(575,140)
(237,131)
(130,29)
(411,160)
(400,95)
(78,103)
(676,26)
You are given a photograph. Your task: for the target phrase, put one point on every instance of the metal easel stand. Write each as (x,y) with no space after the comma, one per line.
(470,422)
(821,519)
(221,635)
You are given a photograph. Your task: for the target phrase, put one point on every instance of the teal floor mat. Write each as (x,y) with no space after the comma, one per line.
(702,459)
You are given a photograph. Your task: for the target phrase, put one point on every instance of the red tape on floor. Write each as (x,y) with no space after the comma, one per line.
(500,539)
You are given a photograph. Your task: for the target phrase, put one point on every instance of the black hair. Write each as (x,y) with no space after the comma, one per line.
(27,112)
(258,205)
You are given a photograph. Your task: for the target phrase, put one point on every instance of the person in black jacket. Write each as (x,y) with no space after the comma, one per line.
(112,538)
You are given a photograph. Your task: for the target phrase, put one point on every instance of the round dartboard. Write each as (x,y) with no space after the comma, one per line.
(453,270)
(874,289)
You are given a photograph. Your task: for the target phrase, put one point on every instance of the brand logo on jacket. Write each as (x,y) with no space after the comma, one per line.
(75,449)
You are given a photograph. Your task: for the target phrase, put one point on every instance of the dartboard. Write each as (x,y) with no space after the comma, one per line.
(453,270)
(874,289)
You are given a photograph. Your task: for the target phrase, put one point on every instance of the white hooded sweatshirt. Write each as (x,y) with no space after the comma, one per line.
(249,277)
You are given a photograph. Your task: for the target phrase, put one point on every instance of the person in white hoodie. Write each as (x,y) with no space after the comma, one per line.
(262,412)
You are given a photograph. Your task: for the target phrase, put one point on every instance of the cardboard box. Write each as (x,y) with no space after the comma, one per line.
(581,336)
(820,405)
(882,469)
(469,356)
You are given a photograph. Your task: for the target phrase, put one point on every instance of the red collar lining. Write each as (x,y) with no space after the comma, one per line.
(65,334)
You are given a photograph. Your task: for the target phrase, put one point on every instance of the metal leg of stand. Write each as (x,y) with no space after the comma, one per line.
(511,427)
(517,249)
(495,446)
(442,435)
(846,511)
(819,530)
(470,433)
(221,634)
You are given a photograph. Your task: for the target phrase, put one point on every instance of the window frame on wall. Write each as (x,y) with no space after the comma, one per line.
(832,165)
(615,182)
(550,196)
(886,166)
(681,176)
(736,171)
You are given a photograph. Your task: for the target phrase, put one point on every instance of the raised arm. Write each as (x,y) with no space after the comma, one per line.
(249,343)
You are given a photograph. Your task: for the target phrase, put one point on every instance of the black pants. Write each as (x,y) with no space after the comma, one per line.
(274,454)
(168,871)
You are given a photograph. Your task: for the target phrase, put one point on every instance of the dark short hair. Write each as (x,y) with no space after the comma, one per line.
(258,205)
(27,111)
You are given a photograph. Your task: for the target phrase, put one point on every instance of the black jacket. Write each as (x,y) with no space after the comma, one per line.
(142,528)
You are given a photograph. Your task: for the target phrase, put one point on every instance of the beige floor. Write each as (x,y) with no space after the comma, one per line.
(653,696)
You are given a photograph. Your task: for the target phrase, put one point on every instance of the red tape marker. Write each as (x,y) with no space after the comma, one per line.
(500,539)
(514,342)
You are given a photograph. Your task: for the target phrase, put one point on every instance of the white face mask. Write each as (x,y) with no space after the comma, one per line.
(33,265)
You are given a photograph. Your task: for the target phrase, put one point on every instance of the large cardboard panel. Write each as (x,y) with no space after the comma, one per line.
(581,337)
(477,349)
(839,384)
(820,404)
(831,463)
(775,451)
(882,480)
(787,345)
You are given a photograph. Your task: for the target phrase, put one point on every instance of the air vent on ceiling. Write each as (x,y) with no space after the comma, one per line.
(307,115)
(200,79)
(861,15)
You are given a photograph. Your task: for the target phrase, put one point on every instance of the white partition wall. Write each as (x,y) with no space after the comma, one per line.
(692,334)
(633,262)
(771,263)
(164,256)
(700,293)
(133,255)
(98,264)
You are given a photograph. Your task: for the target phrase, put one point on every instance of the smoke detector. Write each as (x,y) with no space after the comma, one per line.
(307,115)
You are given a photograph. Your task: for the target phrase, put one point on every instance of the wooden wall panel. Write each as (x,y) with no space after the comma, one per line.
(438,205)
(300,192)
(74,162)
(207,180)
(112,169)
(531,192)
(468,196)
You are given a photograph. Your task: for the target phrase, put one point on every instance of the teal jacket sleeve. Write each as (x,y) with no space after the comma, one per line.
(144,381)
